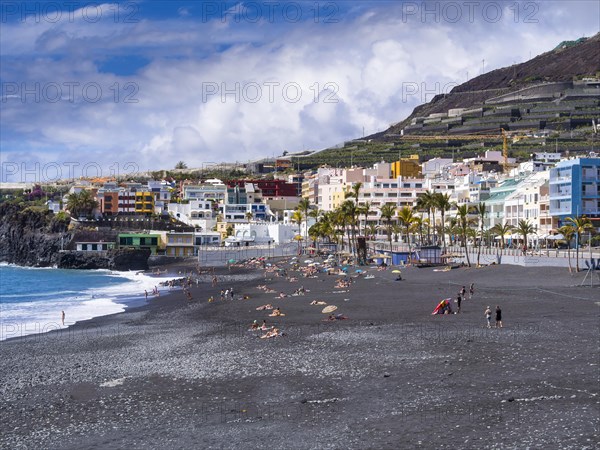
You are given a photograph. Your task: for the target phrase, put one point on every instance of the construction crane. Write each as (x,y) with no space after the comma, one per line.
(503,134)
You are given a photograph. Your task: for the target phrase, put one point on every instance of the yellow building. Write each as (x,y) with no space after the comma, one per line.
(144,202)
(222,228)
(407,167)
(180,244)
(337,198)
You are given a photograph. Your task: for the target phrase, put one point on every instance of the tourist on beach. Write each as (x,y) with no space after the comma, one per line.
(222,294)
(488,317)
(463,292)
(471,290)
(146,293)
(231,293)
(214,280)
(63,317)
(458,302)
(226,294)
(498,317)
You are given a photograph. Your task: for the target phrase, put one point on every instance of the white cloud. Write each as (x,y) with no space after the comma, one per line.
(370,56)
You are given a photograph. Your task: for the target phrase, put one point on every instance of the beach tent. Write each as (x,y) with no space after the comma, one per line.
(443,306)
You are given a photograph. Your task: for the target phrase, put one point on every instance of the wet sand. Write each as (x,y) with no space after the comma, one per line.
(181,374)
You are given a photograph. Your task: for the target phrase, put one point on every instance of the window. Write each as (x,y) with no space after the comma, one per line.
(94,246)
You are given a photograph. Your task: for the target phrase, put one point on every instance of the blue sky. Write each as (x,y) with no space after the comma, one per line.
(155,82)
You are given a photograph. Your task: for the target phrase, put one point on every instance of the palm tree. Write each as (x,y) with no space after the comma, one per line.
(502,230)
(248,216)
(481,213)
(579,224)
(524,228)
(387,212)
(568,232)
(303,207)
(372,230)
(420,222)
(407,220)
(442,202)
(181,165)
(354,191)
(297,217)
(426,202)
(81,203)
(365,210)
(462,214)
(351,211)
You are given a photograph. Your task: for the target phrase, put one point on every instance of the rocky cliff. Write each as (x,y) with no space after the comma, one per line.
(32,236)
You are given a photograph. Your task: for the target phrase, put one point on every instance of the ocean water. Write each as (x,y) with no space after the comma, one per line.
(32,299)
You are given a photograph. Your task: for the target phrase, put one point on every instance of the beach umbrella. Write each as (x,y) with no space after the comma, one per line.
(358,271)
(329,309)
(396,271)
(308,261)
(232,261)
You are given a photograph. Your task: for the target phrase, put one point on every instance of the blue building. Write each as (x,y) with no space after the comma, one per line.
(575,189)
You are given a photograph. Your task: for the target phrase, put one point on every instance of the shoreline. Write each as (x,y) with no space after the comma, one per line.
(391,374)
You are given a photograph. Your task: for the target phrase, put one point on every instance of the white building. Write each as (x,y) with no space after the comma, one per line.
(246,234)
(197,213)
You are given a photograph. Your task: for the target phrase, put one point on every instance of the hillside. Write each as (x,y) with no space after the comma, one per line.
(554,96)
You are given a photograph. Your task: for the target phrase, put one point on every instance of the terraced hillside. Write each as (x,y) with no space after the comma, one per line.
(550,100)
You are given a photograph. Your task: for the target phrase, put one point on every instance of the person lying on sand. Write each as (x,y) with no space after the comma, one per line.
(332,318)
(255,325)
(315,302)
(211,299)
(264,307)
(271,334)
(276,313)
(283,295)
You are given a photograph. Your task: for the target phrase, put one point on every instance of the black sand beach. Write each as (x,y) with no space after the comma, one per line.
(181,374)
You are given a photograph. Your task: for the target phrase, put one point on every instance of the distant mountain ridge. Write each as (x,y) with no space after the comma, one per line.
(577,60)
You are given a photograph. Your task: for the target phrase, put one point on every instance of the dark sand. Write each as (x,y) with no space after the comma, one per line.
(175,374)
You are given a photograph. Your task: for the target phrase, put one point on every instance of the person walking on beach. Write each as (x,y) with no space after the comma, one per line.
(231,293)
(458,302)
(498,317)
(488,317)
(471,290)
(222,295)
(463,292)
(63,317)
(146,293)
